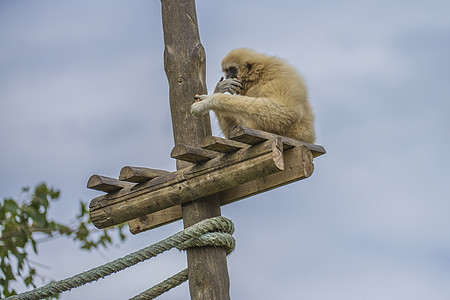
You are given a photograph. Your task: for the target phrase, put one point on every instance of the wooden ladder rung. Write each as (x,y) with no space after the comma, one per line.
(139,174)
(246,135)
(253,137)
(192,154)
(106,184)
(221,145)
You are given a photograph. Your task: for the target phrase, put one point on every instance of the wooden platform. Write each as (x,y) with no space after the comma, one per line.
(249,163)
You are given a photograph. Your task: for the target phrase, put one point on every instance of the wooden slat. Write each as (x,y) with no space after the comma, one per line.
(105,184)
(298,164)
(253,136)
(222,145)
(161,218)
(192,154)
(243,136)
(140,174)
(187,185)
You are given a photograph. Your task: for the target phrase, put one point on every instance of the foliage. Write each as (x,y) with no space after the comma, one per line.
(24,223)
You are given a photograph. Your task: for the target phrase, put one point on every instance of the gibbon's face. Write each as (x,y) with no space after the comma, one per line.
(231,72)
(238,72)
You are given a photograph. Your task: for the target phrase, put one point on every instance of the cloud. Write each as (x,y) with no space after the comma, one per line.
(83,90)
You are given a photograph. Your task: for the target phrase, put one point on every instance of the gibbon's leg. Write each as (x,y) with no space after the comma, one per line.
(226,123)
(261,113)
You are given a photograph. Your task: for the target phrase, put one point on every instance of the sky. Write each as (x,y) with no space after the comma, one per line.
(83,91)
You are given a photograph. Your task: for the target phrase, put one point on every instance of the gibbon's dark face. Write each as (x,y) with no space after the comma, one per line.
(232,72)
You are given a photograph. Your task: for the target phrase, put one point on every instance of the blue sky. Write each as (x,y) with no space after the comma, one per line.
(83,91)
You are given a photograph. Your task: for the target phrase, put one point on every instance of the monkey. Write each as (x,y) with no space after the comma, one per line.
(265,93)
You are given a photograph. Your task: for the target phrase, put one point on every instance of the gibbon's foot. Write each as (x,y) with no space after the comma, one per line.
(200,107)
(230,85)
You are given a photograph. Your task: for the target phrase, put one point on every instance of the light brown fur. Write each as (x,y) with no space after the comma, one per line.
(273,97)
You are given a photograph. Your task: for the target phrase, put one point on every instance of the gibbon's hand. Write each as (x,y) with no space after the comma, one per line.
(200,107)
(230,85)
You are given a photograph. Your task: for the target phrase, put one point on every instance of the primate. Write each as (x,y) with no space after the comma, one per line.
(266,93)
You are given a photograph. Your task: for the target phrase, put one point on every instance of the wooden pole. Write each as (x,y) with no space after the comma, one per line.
(185,66)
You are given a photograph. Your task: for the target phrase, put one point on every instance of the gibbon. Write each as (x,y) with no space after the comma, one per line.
(266,94)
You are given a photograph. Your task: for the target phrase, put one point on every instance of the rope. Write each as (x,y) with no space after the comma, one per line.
(211,232)
(163,287)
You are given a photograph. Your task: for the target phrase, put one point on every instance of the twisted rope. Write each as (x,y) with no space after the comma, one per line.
(215,231)
(163,287)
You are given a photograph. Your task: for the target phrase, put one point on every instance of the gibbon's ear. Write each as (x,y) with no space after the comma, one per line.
(249,67)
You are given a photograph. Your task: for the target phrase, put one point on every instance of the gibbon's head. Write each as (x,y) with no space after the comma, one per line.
(247,65)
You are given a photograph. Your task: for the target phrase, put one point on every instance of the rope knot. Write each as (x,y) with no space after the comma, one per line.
(215,232)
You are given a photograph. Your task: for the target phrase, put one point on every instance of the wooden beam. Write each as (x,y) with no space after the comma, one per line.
(253,136)
(188,184)
(140,174)
(161,218)
(298,164)
(106,184)
(222,145)
(192,154)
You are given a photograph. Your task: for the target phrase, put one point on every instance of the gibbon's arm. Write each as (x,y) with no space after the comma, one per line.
(262,112)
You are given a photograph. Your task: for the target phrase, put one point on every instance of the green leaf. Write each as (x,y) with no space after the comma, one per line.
(34,244)
(28,281)
(54,194)
(30,211)
(41,220)
(82,232)
(11,206)
(7,271)
(40,195)
(83,210)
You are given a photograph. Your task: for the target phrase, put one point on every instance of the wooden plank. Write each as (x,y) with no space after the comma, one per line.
(161,218)
(222,145)
(298,165)
(189,172)
(106,184)
(253,136)
(140,174)
(181,187)
(192,154)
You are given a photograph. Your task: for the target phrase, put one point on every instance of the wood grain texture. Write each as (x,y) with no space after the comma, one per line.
(298,165)
(188,184)
(161,218)
(106,184)
(192,154)
(185,66)
(253,136)
(222,145)
(140,174)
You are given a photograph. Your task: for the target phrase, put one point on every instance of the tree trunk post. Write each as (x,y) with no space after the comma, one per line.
(185,66)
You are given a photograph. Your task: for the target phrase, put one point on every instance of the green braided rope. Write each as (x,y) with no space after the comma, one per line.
(216,239)
(189,237)
(163,287)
